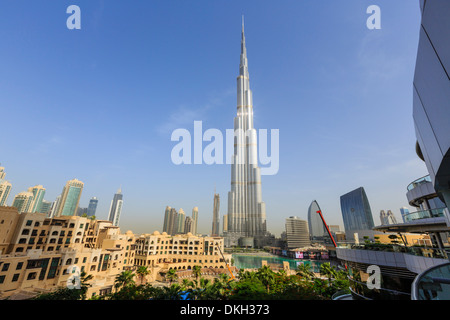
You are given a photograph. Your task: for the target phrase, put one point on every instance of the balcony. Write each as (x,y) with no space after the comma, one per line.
(424,214)
(419,182)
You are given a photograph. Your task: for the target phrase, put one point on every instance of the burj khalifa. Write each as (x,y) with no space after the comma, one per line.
(246,209)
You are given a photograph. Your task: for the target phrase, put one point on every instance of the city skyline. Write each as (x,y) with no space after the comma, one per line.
(339,93)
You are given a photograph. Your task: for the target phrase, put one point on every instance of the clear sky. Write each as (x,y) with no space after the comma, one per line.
(99,104)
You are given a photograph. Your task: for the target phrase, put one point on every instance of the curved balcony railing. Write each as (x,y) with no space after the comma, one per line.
(360,291)
(433,213)
(419,181)
(432,284)
(422,251)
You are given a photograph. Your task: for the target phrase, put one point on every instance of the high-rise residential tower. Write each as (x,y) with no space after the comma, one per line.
(179,222)
(195,220)
(38,196)
(5,187)
(216,217)
(70,198)
(92,207)
(116,208)
(23,201)
(246,210)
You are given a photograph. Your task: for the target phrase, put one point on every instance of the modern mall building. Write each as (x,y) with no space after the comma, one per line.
(418,271)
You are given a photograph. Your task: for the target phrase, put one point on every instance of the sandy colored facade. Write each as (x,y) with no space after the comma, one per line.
(161,252)
(40,254)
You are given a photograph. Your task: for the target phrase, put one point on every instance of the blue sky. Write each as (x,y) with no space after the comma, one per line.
(99,104)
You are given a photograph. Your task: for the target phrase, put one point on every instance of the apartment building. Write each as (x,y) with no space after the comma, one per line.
(162,252)
(39,254)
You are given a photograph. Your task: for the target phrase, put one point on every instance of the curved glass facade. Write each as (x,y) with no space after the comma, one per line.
(356,211)
(316,228)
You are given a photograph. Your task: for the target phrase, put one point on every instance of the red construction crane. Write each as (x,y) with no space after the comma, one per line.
(326,226)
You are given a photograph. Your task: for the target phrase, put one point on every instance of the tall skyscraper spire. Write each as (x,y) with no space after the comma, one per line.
(246,210)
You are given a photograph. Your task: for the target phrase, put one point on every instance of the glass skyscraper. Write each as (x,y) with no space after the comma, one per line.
(70,198)
(92,208)
(116,208)
(356,211)
(317,230)
(216,218)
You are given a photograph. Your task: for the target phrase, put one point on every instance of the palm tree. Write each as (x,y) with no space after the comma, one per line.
(196,270)
(304,271)
(124,279)
(327,270)
(266,275)
(142,271)
(171,275)
(84,278)
(185,283)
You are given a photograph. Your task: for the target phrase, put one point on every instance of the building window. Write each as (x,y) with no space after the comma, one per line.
(29,222)
(15,277)
(2,279)
(32,276)
(5,267)
(19,266)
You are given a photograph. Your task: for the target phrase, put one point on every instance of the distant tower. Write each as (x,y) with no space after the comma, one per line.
(54,207)
(356,212)
(317,230)
(216,218)
(180,220)
(404,211)
(297,234)
(70,198)
(195,220)
(116,208)
(188,225)
(5,187)
(383,217)
(387,218)
(167,220)
(23,201)
(46,207)
(391,217)
(38,196)
(92,208)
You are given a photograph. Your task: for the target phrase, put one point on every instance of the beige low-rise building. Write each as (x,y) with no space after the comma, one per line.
(40,254)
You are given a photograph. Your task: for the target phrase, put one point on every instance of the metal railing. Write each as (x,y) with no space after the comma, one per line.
(361,291)
(424,214)
(419,181)
(432,284)
(422,251)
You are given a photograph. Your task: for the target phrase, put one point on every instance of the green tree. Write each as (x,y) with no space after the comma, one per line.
(266,276)
(327,270)
(124,279)
(197,271)
(171,275)
(304,271)
(142,272)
